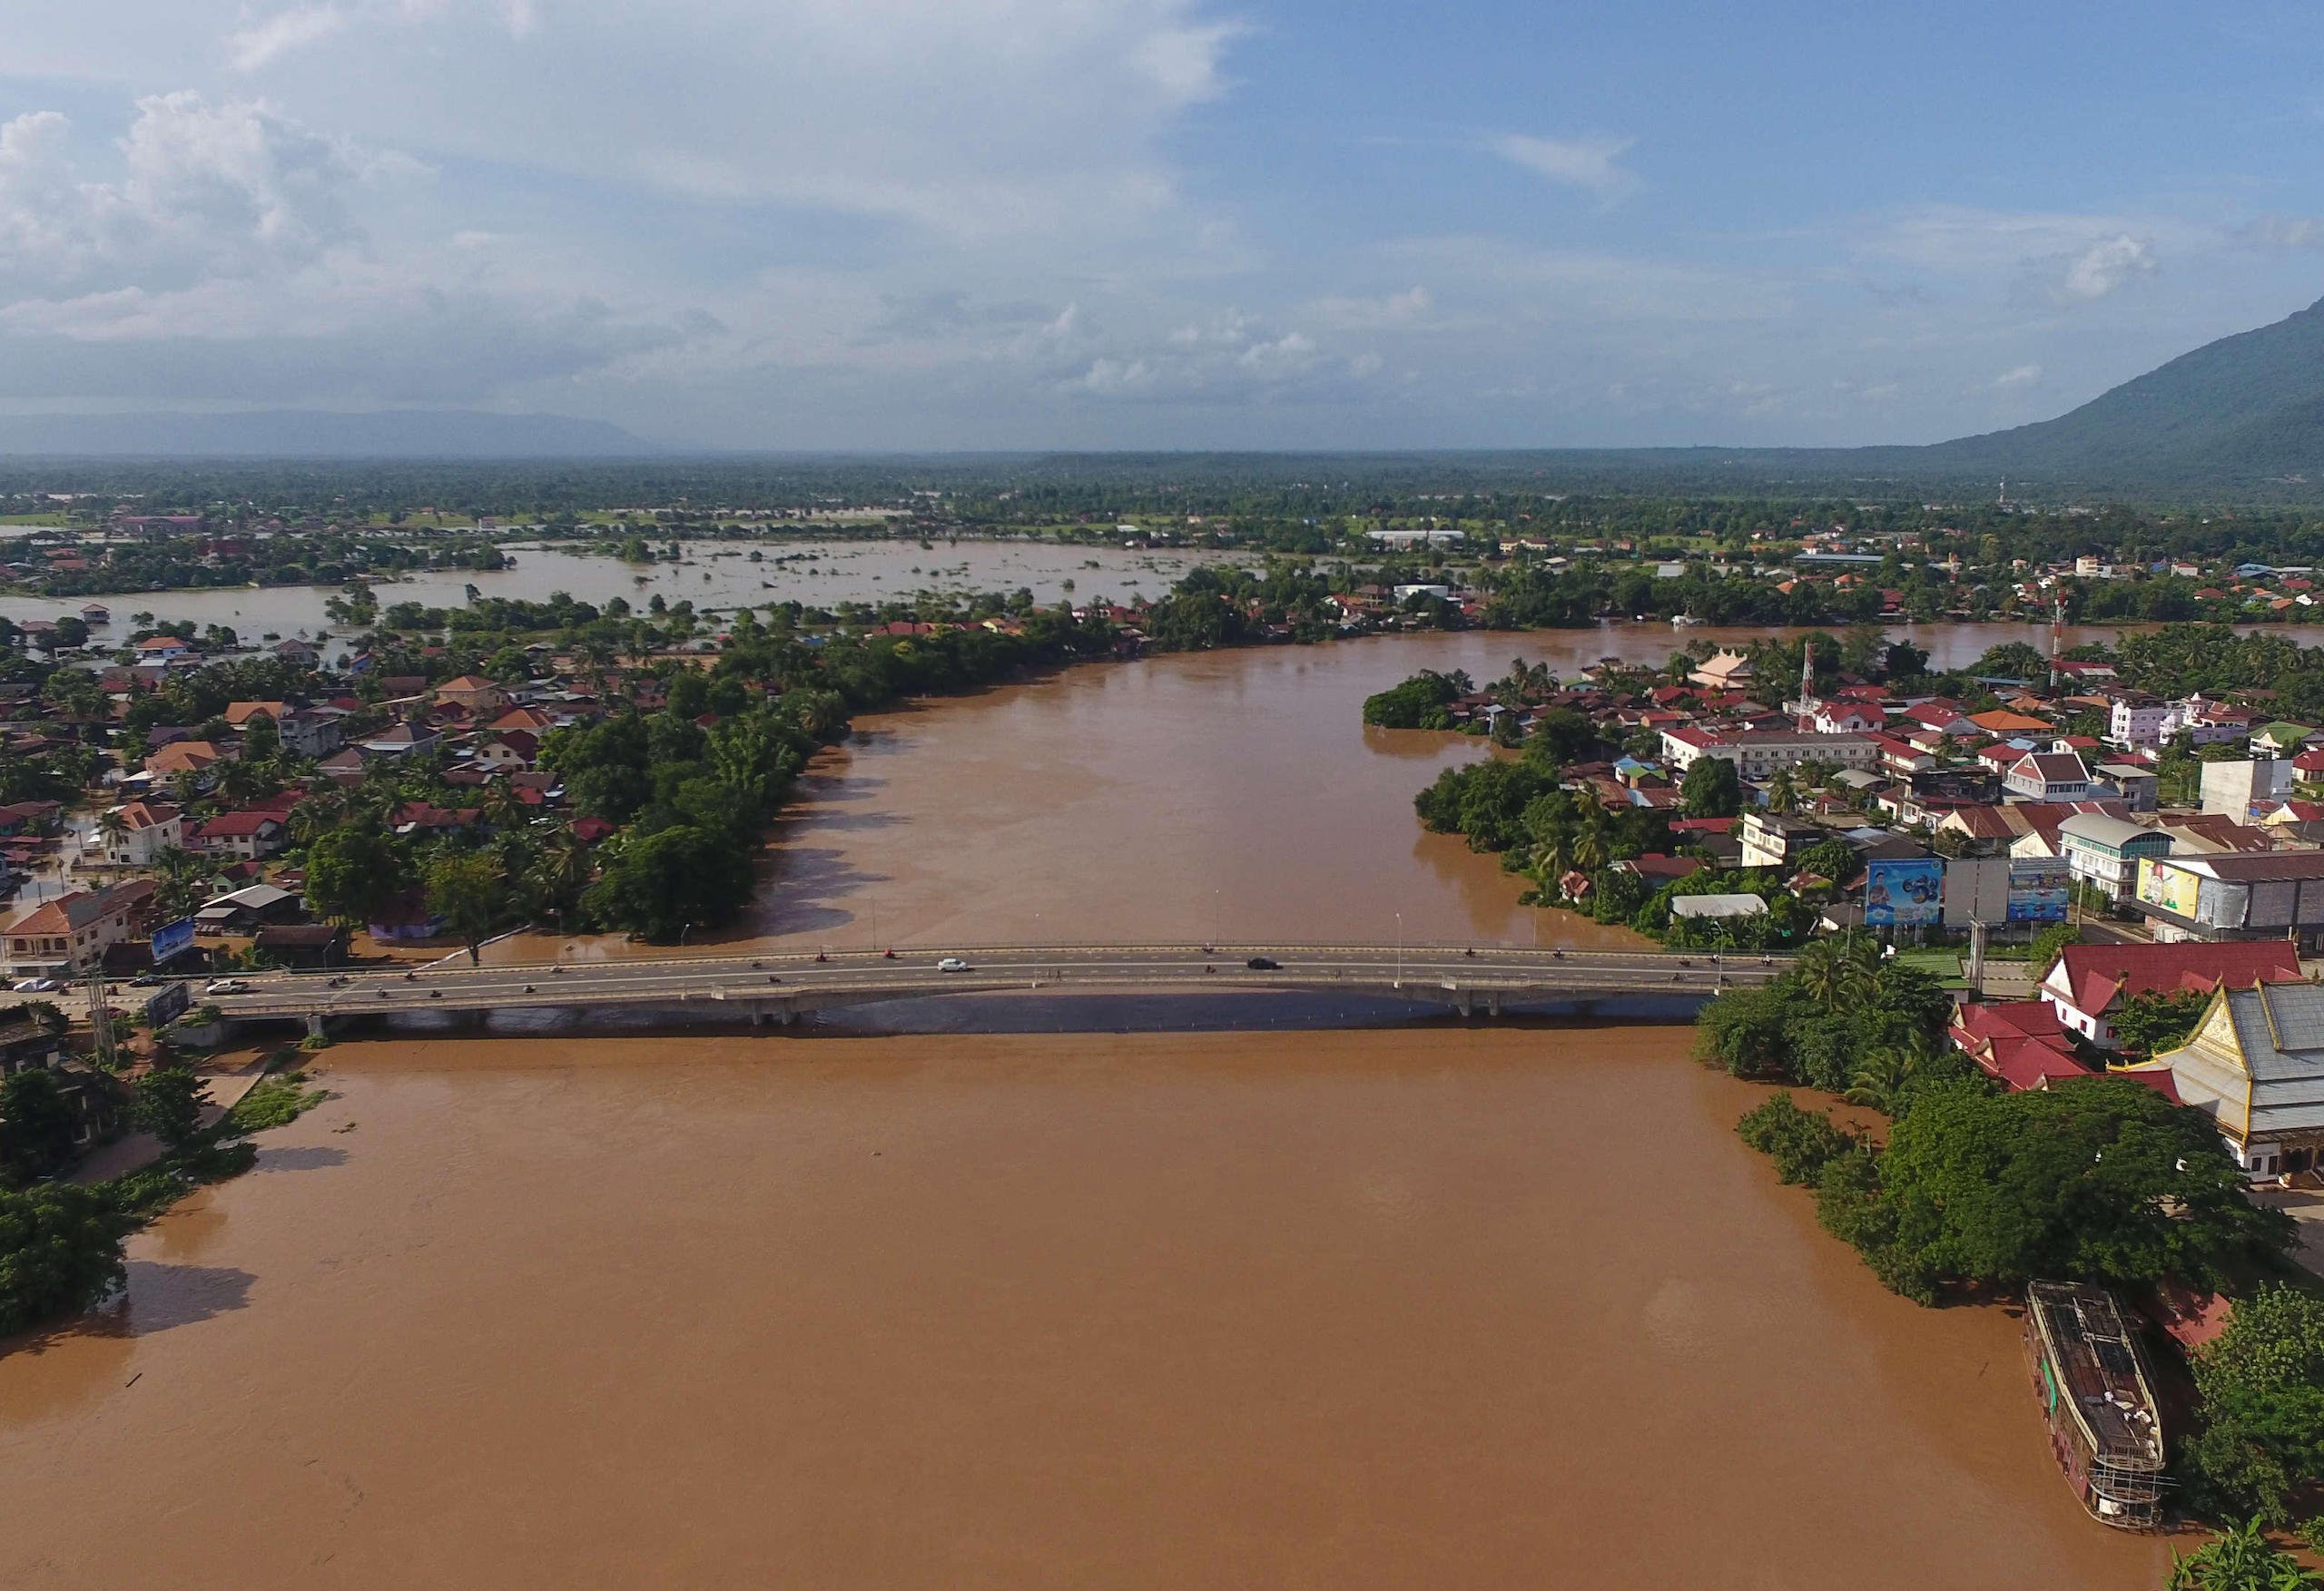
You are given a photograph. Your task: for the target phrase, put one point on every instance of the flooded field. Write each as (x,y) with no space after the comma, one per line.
(1483,1309)
(715,575)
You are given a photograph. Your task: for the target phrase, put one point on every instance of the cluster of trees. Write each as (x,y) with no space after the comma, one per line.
(314,558)
(60,1243)
(2178,660)
(1417,702)
(1840,1018)
(2106,1180)
(2261,1450)
(689,786)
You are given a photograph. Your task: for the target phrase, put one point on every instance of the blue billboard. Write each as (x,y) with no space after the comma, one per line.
(1908,894)
(2038,889)
(171,940)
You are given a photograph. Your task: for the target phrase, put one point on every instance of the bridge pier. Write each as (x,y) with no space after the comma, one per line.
(1492,1003)
(315,1025)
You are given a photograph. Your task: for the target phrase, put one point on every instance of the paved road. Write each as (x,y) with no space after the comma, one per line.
(803,981)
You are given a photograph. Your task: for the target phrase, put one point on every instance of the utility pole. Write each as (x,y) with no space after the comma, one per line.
(101,1018)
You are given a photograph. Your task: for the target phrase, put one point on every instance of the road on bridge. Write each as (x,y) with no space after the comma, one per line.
(765,981)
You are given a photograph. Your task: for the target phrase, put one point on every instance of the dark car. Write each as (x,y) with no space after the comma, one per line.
(1264,963)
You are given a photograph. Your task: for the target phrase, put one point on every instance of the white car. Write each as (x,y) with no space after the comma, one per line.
(951,963)
(38,986)
(226,986)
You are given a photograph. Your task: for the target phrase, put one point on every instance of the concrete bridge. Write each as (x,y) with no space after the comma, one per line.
(782,988)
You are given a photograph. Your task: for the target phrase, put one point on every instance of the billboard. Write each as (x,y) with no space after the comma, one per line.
(2038,889)
(1903,894)
(172,939)
(2174,889)
(1976,889)
(168,1003)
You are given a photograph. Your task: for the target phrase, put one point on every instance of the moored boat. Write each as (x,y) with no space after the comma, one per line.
(2103,1425)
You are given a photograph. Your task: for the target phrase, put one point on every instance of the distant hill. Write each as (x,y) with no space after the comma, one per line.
(2245,408)
(317,434)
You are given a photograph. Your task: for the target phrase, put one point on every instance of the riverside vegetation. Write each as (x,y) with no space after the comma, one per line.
(1969,1192)
(61,1244)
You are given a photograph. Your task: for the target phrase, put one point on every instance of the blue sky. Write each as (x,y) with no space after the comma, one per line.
(1148,224)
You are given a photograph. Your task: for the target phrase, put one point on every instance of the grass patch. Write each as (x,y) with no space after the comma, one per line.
(274,1102)
(1939,963)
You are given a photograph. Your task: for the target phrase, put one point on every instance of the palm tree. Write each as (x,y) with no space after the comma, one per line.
(319,811)
(1553,857)
(182,876)
(113,828)
(560,872)
(1834,974)
(1592,843)
(503,808)
(1882,1077)
(1783,796)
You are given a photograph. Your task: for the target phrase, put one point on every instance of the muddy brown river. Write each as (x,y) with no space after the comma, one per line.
(1429,1308)
(1507,1306)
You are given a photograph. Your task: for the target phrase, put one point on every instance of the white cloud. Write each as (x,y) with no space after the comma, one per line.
(2106,265)
(976,118)
(231,189)
(1392,312)
(1591,162)
(2283,232)
(2018,375)
(285,32)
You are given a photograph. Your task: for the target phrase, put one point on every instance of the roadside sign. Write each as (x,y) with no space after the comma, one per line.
(168,1003)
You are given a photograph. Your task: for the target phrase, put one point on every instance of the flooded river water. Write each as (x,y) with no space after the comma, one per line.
(1504,1306)
(1233,795)
(1430,1308)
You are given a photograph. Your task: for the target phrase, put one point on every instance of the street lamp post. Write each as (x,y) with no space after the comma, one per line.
(1400,950)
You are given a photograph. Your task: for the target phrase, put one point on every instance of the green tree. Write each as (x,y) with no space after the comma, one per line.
(468,892)
(1835,973)
(2105,1182)
(1711,789)
(2239,1558)
(2263,1385)
(354,871)
(170,1101)
(2049,945)
(658,885)
(60,1252)
(2150,1022)
(35,1127)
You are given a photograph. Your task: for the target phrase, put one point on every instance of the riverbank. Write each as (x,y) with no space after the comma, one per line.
(1376,1309)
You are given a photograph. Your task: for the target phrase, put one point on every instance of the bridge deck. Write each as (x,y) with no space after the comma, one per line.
(788,983)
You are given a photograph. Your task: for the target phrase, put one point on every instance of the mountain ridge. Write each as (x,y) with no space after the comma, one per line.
(313,434)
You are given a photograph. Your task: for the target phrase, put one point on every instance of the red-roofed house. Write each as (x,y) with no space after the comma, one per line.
(74,931)
(246,835)
(2091,982)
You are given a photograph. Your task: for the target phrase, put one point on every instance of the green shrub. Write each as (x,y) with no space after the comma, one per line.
(1800,1144)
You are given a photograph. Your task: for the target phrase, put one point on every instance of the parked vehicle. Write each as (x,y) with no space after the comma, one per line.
(38,986)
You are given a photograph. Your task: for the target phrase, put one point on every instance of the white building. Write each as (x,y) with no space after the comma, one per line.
(147,829)
(2138,720)
(2103,853)
(1760,755)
